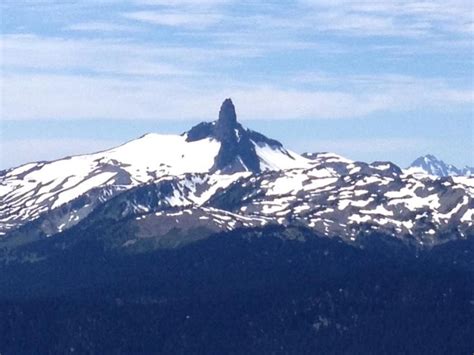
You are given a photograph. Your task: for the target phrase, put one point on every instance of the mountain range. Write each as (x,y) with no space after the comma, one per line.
(222,216)
(220,176)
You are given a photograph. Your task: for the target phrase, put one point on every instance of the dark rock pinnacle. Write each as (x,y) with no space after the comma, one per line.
(237,151)
(227,116)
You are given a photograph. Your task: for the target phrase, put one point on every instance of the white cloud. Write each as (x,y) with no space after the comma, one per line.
(392,17)
(408,91)
(76,97)
(194,3)
(96,56)
(22,52)
(193,20)
(178,13)
(69,96)
(277,103)
(123,77)
(101,27)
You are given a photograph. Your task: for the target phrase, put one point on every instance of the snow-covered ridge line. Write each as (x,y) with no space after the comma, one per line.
(28,191)
(242,174)
(32,189)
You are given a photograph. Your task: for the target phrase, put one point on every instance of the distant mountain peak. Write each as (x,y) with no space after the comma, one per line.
(430,164)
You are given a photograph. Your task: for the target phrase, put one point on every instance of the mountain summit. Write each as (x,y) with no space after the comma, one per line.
(227,115)
(241,149)
(430,164)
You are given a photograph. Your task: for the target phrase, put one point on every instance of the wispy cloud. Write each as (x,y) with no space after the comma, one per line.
(179,13)
(30,52)
(101,27)
(73,97)
(106,56)
(193,3)
(175,19)
(383,82)
(392,17)
(84,77)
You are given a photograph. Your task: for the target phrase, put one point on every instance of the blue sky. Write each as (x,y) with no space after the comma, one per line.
(371,80)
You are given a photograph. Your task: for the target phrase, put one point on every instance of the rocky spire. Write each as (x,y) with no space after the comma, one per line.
(237,151)
(227,116)
(227,122)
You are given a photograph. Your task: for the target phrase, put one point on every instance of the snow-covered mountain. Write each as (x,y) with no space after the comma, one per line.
(222,147)
(218,177)
(429,164)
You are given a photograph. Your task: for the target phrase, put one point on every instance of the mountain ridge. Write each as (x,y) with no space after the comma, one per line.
(231,177)
(35,188)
